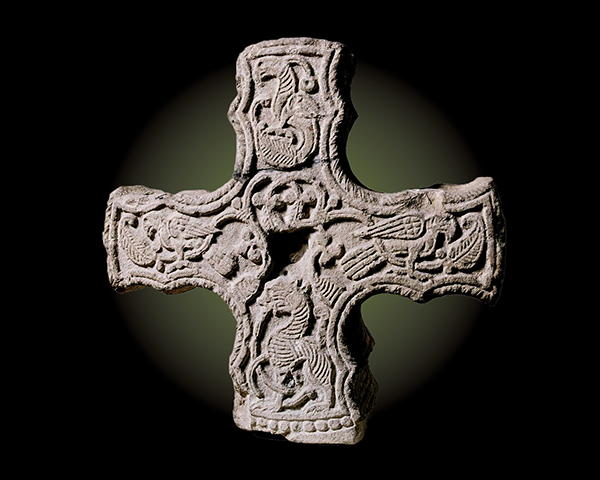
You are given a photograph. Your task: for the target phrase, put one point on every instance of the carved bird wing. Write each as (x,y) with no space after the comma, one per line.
(136,244)
(196,238)
(407,227)
(465,252)
(187,228)
(195,229)
(287,86)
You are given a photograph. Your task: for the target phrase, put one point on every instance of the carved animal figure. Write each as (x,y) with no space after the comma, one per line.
(285,122)
(166,243)
(189,237)
(464,252)
(403,239)
(300,371)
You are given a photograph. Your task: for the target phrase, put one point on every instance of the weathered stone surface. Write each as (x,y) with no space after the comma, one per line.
(294,244)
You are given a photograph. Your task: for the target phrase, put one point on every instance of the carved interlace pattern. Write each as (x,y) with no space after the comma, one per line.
(294,245)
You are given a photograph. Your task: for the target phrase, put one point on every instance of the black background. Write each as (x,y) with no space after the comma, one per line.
(99,77)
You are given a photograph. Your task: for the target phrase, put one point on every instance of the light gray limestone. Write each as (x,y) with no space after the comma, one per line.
(294,244)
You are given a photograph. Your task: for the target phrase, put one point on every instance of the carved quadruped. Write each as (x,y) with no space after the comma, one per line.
(294,245)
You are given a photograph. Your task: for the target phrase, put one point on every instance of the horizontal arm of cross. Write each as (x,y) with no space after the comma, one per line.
(429,242)
(432,242)
(174,242)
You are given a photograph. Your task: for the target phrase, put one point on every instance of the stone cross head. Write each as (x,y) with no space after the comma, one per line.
(294,244)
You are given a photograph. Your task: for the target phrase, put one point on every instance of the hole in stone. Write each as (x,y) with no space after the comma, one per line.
(287,248)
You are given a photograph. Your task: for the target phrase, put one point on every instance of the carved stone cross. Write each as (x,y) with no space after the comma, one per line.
(294,244)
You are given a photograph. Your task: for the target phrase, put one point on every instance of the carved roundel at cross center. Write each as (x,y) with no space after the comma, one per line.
(288,203)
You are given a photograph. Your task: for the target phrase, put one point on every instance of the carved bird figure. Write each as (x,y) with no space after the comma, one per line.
(286,121)
(403,239)
(189,237)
